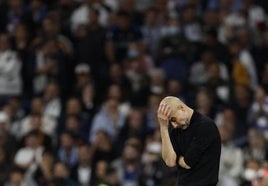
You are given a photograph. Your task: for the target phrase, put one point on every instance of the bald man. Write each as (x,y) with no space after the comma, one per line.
(190,141)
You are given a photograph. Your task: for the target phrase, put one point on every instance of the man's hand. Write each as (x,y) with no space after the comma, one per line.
(182,163)
(163,114)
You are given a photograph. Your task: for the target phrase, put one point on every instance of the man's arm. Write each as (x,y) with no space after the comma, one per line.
(182,163)
(168,153)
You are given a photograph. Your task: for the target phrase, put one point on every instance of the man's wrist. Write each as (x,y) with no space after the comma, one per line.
(163,127)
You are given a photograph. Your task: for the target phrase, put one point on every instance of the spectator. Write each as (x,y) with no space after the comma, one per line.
(61,175)
(90,48)
(16,177)
(10,65)
(108,119)
(119,36)
(74,108)
(135,126)
(30,155)
(256,149)
(5,166)
(68,150)
(83,171)
(154,171)
(43,174)
(198,71)
(258,113)
(151,31)
(52,102)
(230,168)
(102,147)
(48,125)
(128,166)
(8,142)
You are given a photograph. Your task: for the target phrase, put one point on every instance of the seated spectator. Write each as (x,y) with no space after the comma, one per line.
(154,171)
(102,147)
(257,148)
(198,71)
(73,107)
(7,141)
(83,172)
(31,154)
(16,177)
(43,174)
(10,65)
(4,166)
(120,36)
(128,166)
(48,124)
(108,119)
(258,113)
(135,126)
(61,175)
(111,178)
(68,150)
(52,102)
(231,162)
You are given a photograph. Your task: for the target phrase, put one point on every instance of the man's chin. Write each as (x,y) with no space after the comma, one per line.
(183,127)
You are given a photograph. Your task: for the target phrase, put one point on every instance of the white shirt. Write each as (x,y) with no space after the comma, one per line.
(10,79)
(27,155)
(84,175)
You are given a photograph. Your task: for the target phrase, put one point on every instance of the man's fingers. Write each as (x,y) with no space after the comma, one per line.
(164,110)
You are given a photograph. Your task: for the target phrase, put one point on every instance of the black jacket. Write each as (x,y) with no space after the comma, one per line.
(200,145)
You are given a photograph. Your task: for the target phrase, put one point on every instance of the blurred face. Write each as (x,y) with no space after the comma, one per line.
(189,14)
(73,107)
(207,57)
(112,104)
(136,119)
(49,26)
(260,94)
(241,93)
(60,171)
(2,155)
(88,92)
(16,178)
(130,153)
(37,106)
(151,17)
(48,159)
(114,92)
(203,100)
(36,122)
(72,124)
(20,32)
(214,71)
(51,91)
(123,22)
(36,4)
(15,3)
(66,141)
(174,87)
(4,42)
(101,168)
(84,155)
(212,17)
(32,141)
(115,71)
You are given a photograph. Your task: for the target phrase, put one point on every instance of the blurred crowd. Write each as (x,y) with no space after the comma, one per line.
(81,81)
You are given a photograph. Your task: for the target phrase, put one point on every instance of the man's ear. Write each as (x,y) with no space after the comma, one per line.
(180,107)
